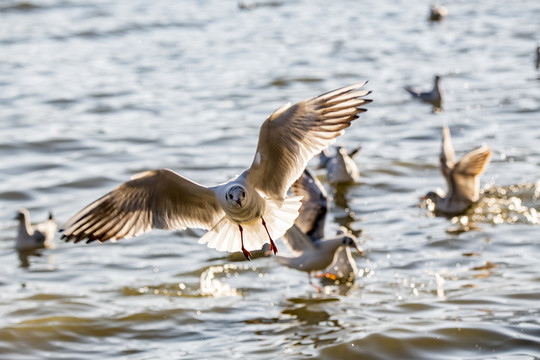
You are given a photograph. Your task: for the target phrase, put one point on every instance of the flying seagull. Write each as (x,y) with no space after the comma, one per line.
(245,212)
(462,177)
(312,251)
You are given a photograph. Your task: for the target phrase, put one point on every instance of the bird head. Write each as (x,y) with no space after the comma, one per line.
(432,200)
(433,196)
(236,196)
(20,215)
(350,241)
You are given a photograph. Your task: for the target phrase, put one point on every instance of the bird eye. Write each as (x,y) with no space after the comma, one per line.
(230,196)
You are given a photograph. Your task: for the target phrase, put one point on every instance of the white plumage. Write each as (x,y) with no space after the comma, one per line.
(35,236)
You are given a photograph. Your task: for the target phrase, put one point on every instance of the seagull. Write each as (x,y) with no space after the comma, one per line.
(462,177)
(434,97)
(242,213)
(437,13)
(37,236)
(341,168)
(312,251)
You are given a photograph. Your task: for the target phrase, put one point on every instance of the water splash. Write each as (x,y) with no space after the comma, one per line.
(211,286)
(513,204)
(440,286)
(508,204)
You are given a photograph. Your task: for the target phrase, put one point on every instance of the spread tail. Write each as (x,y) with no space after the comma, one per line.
(225,235)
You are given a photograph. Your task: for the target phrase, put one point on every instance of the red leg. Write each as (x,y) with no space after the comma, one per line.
(312,284)
(247,254)
(326,275)
(272,245)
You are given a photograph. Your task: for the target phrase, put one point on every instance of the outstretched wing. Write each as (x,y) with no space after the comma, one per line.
(447,156)
(466,173)
(159,199)
(292,135)
(314,205)
(297,241)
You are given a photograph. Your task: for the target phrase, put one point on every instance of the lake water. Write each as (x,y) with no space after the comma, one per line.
(92,92)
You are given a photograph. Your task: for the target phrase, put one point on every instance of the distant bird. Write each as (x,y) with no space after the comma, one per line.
(243,213)
(37,236)
(462,177)
(433,97)
(340,168)
(437,13)
(312,251)
(537,57)
(246,5)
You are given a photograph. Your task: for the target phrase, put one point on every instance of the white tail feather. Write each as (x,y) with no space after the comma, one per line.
(225,235)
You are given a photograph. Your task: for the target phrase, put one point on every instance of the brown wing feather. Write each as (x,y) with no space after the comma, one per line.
(314,205)
(292,135)
(158,199)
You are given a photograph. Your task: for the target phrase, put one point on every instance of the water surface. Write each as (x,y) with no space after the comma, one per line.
(93,92)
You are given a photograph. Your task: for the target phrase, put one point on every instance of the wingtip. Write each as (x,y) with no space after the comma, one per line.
(357,85)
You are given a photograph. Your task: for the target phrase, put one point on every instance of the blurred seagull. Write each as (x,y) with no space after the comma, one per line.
(437,13)
(37,236)
(462,177)
(433,97)
(312,252)
(340,168)
(243,213)
(537,57)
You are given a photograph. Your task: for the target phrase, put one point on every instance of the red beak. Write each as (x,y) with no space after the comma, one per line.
(360,251)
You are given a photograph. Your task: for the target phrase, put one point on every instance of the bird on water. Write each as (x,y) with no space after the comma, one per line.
(462,177)
(312,251)
(35,236)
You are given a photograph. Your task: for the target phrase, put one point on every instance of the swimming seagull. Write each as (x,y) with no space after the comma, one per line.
(462,177)
(433,97)
(312,251)
(35,236)
(436,12)
(340,168)
(246,211)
